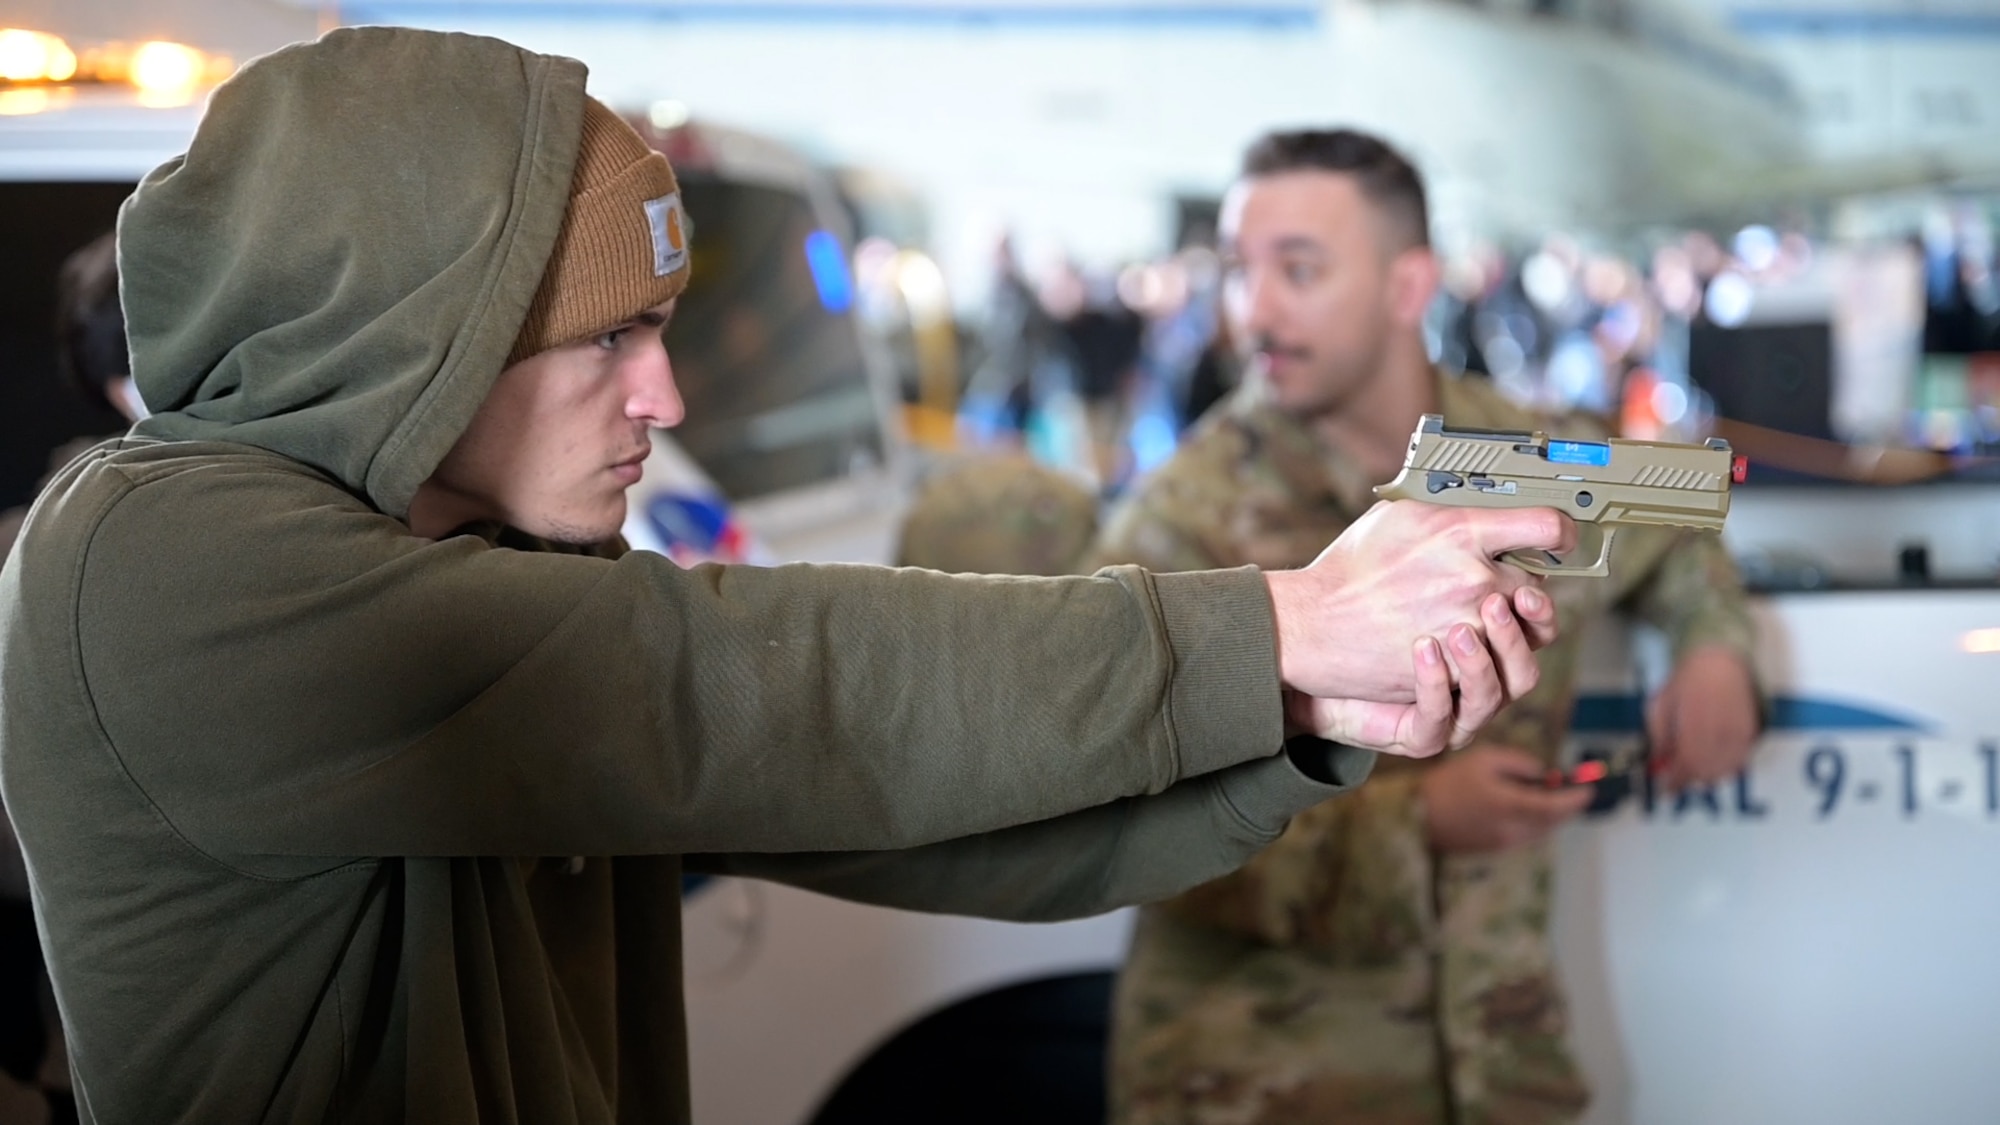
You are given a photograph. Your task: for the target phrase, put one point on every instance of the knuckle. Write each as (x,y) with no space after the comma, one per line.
(1530,675)
(1473,712)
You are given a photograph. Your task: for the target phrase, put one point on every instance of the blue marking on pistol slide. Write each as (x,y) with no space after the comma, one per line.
(1579,453)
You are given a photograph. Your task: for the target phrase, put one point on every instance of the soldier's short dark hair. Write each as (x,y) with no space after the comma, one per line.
(90,323)
(1385,176)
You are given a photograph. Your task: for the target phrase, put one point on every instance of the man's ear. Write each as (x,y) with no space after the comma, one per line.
(1413,280)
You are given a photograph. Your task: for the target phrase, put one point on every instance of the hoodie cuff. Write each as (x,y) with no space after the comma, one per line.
(1223,705)
(1312,770)
(1330,763)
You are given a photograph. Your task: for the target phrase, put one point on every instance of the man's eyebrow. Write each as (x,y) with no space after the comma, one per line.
(653,318)
(1299,244)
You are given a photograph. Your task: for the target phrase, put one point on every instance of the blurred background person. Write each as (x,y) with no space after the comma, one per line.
(1386,960)
(90,356)
(1105,335)
(1024,388)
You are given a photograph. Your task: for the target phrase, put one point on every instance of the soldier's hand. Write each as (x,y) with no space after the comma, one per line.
(1490,798)
(1704,721)
(1439,718)
(1405,570)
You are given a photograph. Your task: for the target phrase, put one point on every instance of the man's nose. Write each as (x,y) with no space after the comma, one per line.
(1253,305)
(653,397)
(1265,309)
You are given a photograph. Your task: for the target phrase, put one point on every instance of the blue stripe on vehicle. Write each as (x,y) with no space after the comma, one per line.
(1625,714)
(1864,24)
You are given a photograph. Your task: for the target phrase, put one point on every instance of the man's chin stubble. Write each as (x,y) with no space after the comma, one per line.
(576,534)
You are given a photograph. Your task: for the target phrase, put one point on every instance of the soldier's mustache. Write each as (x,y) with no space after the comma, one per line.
(1272,346)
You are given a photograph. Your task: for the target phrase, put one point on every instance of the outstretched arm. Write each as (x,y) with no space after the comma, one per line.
(1129,851)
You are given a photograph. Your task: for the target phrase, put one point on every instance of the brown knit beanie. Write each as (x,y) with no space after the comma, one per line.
(623,246)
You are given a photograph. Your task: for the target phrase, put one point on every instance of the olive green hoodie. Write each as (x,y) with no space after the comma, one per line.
(281,767)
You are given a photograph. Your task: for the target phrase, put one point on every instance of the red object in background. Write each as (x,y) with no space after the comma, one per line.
(1739,468)
(1982,370)
(1982,379)
(1638,418)
(1584,774)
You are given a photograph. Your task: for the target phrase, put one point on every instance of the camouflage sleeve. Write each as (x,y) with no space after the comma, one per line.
(1350,880)
(1695,596)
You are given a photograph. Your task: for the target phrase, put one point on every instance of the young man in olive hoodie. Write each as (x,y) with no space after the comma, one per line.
(297,681)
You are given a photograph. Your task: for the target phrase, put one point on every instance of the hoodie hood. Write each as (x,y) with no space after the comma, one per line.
(338,267)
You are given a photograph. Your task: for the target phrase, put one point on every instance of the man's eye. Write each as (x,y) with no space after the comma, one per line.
(1299,273)
(609,340)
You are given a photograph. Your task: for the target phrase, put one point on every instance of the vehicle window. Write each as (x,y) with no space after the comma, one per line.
(764,347)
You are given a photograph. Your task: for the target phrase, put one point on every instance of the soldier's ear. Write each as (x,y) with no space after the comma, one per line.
(1413,280)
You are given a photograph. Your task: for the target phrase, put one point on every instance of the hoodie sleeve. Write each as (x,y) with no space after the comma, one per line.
(1135,850)
(322,684)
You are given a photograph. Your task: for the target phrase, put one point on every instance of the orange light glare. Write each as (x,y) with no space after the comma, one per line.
(33,56)
(1980,641)
(159,67)
(23,103)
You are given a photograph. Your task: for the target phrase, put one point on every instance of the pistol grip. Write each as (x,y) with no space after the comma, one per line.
(1590,538)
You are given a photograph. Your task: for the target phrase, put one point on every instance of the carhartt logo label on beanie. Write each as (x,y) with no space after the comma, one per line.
(669,222)
(623,248)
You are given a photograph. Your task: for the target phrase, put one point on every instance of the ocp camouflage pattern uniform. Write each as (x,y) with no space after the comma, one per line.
(1347,974)
(999,513)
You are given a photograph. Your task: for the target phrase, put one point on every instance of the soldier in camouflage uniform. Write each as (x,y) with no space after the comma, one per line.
(1385,961)
(999,513)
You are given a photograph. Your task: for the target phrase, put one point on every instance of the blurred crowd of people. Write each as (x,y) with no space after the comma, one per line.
(1098,372)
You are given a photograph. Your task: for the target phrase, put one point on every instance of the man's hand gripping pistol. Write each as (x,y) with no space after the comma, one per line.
(1599,484)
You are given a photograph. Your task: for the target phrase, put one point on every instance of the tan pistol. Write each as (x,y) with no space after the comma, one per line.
(1599,484)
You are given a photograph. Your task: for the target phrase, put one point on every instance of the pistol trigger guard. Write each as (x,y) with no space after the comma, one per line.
(1550,566)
